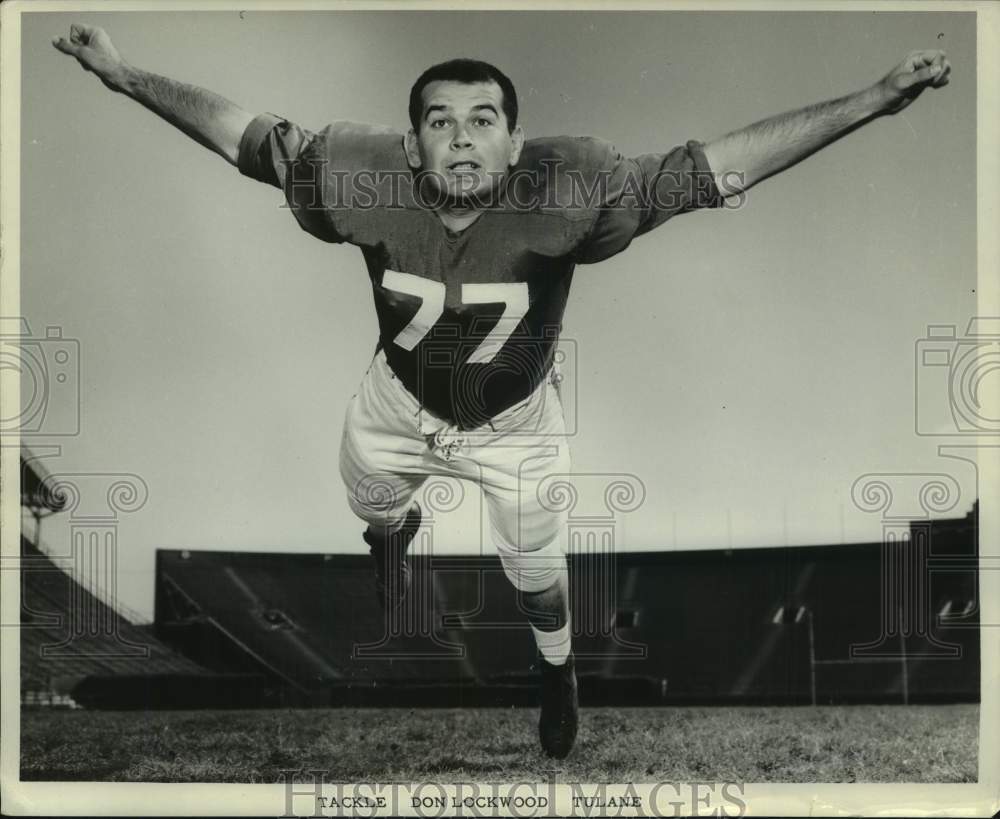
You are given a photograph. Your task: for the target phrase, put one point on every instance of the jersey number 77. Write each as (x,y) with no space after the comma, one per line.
(513,296)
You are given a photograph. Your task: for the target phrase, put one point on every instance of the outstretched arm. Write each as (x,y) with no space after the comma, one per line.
(206,117)
(745,157)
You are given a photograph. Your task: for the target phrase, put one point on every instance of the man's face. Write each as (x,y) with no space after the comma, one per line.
(463,141)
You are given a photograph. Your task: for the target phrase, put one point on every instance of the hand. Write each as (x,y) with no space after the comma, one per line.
(920,70)
(94,50)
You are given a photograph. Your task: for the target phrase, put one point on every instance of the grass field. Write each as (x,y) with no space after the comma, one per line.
(773,744)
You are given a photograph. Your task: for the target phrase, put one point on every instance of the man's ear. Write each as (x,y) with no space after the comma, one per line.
(517,143)
(412,148)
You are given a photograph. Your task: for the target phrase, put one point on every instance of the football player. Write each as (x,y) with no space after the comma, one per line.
(471,234)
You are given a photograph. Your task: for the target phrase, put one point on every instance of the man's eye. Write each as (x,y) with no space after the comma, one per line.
(483,122)
(438,123)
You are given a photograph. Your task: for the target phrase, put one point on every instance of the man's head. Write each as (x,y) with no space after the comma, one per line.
(465,133)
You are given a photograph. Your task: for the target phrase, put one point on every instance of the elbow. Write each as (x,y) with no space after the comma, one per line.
(231,153)
(730,179)
(230,135)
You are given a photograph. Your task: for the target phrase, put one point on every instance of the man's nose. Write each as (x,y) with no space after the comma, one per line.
(461,139)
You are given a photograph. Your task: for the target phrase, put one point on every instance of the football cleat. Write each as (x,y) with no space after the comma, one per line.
(560,714)
(392,574)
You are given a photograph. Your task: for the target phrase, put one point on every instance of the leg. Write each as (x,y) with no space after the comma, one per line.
(548,613)
(385,502)
(388,547)
(381,465)
(526,533)
(548,610)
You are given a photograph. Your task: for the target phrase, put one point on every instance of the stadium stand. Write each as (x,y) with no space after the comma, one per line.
(273,614)
(775,625)
(77,650)
(820,624)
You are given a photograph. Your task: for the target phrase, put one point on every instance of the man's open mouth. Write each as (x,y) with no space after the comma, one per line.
(464,167)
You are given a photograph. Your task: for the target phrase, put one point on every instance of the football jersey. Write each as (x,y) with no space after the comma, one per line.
(470,321)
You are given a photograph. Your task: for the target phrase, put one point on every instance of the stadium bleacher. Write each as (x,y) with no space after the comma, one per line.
(78,648)
(75,649)
(748,625)
(774,625)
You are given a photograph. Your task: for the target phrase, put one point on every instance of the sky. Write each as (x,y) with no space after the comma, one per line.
(745,367)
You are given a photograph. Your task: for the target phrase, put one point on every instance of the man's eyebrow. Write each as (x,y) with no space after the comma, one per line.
(486,106)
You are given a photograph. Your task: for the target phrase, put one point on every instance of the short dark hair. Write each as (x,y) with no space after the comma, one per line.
(464,71)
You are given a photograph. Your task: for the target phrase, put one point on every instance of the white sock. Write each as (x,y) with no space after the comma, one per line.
(554,645)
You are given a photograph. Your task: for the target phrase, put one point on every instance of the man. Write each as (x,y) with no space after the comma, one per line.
(471,235)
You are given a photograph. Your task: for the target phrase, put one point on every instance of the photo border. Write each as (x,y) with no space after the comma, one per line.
(73,798)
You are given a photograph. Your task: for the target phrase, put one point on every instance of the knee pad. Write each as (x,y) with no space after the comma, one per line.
(534,571)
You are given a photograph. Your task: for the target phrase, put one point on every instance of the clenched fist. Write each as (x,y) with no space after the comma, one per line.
(94,50)
(920,70)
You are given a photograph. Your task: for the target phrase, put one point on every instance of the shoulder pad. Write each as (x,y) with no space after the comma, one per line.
(359,146)
(565,173)
(580,153)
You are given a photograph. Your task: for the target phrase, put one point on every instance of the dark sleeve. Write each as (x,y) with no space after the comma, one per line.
(644,192)
(268,145)
(320,172)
